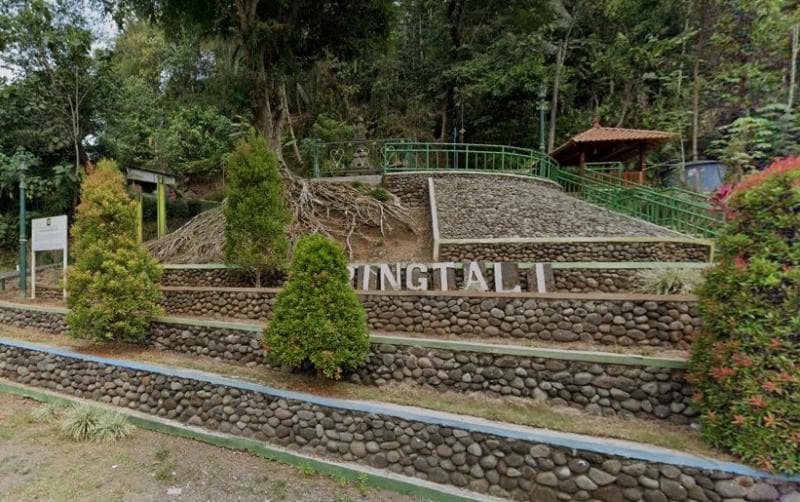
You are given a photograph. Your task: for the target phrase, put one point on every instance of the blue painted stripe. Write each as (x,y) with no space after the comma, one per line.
(599,445)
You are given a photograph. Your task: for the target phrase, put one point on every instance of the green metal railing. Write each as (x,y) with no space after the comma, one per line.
(602,183)
(347,158)
(615,168)
(417,156)
(681,213)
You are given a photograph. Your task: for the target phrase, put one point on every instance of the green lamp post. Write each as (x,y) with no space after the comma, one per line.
(542,109)
(23,233)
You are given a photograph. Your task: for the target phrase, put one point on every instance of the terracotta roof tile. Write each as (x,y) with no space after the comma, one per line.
(600,133)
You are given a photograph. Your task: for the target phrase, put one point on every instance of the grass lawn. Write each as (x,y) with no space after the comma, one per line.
(37,462)
(506,409)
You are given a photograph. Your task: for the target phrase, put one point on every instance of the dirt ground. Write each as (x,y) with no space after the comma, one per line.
(400,244)
(38,463)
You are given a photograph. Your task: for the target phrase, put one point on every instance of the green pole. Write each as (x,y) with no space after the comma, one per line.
(161,208)
(23,234)
(542,109)
(139,217)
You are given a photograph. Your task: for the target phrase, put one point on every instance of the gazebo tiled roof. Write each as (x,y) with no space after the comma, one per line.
(608,144)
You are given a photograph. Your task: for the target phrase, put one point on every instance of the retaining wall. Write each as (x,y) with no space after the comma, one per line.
(622,249)
(212,275)
(579,277)
(627,320)
(644,387)
(486,457)
(599,383)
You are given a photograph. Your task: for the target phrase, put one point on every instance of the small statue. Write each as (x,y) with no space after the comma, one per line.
(360,160)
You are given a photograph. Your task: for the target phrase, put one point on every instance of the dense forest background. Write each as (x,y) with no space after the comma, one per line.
(177,81)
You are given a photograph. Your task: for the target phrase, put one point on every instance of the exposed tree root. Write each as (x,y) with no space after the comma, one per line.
(336,210)
(200,240)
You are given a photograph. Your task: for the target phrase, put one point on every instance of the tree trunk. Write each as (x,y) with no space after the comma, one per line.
(695,106)
(455,16)
(699,52)
(793,65)
(288,116)
(560,56)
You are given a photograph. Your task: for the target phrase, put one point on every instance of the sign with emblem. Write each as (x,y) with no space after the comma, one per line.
(48,234)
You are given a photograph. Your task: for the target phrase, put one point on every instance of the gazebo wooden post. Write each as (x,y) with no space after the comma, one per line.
(582,167)
(642,162)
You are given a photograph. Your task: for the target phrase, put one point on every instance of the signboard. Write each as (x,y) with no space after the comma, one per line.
(150,176)
(500,277)
(48,234)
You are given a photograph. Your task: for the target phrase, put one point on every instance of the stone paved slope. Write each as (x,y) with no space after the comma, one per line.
(475,207)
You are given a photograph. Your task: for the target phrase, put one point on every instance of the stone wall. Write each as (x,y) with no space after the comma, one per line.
(254,304)
(589,280)
(606,321)
(500,461)
(621,320)
(212,277)
(412,189)
(611,251)
(602,389)
(224,344)
(49,322)
(572,280)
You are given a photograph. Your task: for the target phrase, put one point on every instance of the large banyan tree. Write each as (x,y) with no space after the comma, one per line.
(272,39)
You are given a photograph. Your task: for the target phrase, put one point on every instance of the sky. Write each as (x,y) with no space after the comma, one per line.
(102,26)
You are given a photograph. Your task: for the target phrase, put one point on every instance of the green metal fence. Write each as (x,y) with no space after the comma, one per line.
(680,213)
(417,156)
(348,158)
(602,184)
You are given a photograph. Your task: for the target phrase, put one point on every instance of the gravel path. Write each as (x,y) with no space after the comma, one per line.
(472,207)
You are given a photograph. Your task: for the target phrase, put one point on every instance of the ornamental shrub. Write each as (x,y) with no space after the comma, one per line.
(113,285)
(669,281)
(256,215)
(745,365)
(319,321)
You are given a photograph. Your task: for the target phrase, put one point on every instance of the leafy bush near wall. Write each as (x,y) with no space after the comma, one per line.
(745,366)
(113,286)
(318,320)
(256,215)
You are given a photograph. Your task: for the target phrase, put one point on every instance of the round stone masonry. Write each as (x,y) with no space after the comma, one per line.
(503,461)
(598,388)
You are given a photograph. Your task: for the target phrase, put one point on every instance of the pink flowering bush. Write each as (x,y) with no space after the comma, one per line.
(745,365)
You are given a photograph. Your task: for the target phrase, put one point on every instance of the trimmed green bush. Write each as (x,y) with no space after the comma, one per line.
(745,365)
(113,287)
(318,320)
(256,215)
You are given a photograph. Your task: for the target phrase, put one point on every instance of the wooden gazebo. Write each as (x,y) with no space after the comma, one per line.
(610,144)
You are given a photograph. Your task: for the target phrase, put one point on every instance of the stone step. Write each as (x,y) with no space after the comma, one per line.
(490,457)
